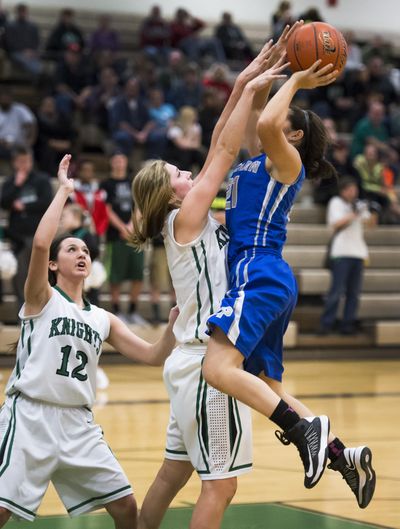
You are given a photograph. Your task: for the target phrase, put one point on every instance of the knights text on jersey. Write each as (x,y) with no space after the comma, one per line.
(58,352)
(257,208)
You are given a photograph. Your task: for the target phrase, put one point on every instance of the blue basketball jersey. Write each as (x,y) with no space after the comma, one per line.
(257,208)
(256,310)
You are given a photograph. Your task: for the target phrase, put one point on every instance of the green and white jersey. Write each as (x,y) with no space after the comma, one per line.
(199,276)
(58,352)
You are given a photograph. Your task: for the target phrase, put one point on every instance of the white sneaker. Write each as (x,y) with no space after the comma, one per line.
(102,381)
(137,319)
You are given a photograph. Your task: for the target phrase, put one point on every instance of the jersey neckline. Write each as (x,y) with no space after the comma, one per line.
(86,303)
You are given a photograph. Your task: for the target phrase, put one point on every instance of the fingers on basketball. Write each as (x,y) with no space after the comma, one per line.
(316,41)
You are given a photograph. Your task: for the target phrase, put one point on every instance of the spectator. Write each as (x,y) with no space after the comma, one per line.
(371,128)
(124,263)
(72,76)
(374,188)
(88,194)
(3,22)
(96,102)
(189,91)
(129,119)
(218,77)
(354,53)
(17,124)
(55,136)
(155,34)
(377,47)
(280,18)
(25,195)
(171,76)
(21,39)
(185,137)
(210,109)
(378,81)
(66,34)
(236,45)
(104,38)
(162,115)
(348,251)
(311,14)
(184,35)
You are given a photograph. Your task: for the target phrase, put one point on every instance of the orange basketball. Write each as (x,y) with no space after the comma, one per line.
(314,41)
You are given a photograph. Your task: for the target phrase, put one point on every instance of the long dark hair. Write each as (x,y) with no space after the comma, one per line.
(314,143)
(53,254)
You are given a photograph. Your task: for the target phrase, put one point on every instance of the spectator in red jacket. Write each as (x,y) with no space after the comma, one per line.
(184,35)
(87,193)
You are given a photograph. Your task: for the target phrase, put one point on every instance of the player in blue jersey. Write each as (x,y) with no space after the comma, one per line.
(254,314)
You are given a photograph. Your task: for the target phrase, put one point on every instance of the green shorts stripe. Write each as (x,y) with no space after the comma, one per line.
(97,498)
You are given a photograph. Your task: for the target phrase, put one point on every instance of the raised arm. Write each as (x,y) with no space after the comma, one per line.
(255,68)
(37,289)
(278,54)
(283,155)
(135,348)
(193,213)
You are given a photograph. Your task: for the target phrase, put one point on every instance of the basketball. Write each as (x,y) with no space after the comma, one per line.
(313,41)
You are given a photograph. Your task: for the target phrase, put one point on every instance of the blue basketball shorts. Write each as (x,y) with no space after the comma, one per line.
(256,310)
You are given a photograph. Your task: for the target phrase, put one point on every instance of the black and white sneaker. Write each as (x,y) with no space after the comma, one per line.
(355,465)
(310,436)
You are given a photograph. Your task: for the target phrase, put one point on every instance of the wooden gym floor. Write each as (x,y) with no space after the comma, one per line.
(361,398)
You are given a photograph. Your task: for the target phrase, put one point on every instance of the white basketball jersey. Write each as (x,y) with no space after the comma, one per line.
(58,352)
(199,276)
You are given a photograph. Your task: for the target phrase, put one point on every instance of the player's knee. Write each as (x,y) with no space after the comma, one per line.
(175,474)
(124,509)
(224,489)
(4,516)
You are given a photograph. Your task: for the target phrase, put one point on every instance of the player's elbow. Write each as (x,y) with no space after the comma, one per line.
(266,126)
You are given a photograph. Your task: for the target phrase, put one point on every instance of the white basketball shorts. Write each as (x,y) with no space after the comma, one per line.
(206,427)
(41,442)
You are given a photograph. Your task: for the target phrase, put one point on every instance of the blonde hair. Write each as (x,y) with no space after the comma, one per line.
(153,199)
(187,117)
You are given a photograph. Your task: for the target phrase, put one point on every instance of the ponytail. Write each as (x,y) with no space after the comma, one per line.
(314,143)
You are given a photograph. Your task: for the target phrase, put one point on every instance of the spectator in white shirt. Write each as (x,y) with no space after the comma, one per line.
(346,215)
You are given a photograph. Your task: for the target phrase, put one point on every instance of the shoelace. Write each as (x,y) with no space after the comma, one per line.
(282,438)
(350,476)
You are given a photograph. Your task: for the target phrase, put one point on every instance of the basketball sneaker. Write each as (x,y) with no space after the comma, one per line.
(310,436)
(355,465)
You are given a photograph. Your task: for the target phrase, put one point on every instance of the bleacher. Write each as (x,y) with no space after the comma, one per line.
(307,234)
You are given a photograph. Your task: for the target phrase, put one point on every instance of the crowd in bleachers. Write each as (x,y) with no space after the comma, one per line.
(162,101)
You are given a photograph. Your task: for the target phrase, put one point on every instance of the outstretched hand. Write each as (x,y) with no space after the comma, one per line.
(314,77)
(257,65)
(270,75)
(62,174)
(279,47)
